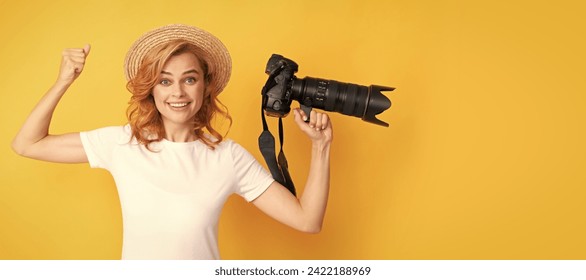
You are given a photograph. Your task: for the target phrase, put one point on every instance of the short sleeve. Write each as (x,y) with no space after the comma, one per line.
(251,177)
(99,145)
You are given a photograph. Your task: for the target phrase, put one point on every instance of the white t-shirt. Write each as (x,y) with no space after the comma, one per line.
(171,199)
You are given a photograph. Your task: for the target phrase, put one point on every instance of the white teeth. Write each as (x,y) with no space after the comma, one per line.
(178,105)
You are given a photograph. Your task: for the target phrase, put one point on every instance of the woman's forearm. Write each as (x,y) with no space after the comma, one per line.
(36,126)
(315,195)
(307,212)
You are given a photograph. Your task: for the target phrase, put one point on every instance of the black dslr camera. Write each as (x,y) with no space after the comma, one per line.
(283,87)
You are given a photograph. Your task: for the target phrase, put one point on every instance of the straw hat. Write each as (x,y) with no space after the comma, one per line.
(218,58)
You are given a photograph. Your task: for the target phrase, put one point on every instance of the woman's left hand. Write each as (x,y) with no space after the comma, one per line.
(319,127)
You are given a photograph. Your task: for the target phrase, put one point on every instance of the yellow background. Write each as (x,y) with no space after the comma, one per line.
(485,157)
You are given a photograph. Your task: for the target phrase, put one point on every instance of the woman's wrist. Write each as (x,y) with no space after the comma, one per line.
(320,147)
(59,87)
(60,83)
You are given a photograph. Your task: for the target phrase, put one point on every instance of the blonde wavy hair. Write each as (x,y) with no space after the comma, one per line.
(144,118)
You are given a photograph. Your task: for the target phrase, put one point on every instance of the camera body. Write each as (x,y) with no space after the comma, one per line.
(283,87)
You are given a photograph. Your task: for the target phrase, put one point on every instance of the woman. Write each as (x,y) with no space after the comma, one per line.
(173,170)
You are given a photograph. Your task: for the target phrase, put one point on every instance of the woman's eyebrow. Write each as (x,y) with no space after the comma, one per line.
(186,72)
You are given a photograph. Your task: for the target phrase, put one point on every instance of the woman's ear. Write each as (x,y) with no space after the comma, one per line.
(210,90)
(207,92)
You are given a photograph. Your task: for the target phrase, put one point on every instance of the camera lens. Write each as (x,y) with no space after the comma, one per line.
(345,98)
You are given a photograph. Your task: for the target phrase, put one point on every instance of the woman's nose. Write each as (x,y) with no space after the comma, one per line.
(178,90)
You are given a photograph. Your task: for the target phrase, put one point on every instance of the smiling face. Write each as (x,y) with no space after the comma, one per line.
(180,90)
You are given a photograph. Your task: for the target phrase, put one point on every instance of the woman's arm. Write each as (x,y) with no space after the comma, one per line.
(33,139)
(306,213)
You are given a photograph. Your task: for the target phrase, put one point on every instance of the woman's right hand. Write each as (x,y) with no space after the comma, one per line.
(72,63)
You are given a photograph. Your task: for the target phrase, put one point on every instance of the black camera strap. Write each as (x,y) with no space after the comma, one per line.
(266,142)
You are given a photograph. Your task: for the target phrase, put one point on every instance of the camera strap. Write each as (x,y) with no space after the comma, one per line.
(266,142)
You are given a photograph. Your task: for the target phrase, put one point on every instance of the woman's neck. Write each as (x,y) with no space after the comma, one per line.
(179,133)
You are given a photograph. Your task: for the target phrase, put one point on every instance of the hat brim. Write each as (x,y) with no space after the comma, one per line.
(219,64)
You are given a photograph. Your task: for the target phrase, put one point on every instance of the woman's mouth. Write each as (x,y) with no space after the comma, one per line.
(178,104)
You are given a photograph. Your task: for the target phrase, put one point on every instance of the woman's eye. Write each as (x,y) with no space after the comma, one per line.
(165,82)
(190,80)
